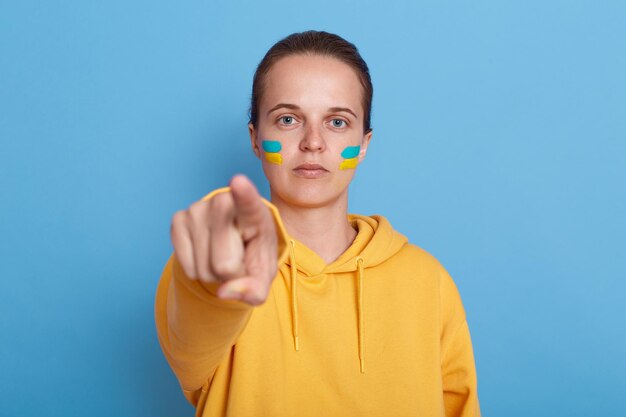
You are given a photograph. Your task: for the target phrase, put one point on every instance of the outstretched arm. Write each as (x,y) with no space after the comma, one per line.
(227,249)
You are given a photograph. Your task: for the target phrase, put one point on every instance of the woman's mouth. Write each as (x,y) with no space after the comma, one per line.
(311,171)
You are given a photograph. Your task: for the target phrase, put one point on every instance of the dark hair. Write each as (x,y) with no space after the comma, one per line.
(314,43)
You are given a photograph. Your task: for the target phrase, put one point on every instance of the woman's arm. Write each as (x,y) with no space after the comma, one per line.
(196,327)
(460,388)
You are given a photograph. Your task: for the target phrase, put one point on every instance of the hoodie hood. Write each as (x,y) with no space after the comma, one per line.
(376,241)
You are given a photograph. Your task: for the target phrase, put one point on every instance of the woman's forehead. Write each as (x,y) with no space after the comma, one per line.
(312,80)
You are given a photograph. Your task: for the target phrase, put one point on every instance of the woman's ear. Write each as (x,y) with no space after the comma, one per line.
(255,147)
(364,144)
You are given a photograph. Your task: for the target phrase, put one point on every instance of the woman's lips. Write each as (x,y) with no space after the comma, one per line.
(310,171)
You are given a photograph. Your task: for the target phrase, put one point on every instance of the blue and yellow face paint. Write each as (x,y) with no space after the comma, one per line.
(271,149)
(350,155)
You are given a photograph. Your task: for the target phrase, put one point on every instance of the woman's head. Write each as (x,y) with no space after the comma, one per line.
(309,120)
(314,43)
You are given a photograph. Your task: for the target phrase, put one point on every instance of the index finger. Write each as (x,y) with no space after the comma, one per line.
(250,212)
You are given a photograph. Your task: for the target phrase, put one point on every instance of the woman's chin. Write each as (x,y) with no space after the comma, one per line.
(307,196)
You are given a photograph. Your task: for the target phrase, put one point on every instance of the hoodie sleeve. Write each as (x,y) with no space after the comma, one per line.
(458,369)
(196,329)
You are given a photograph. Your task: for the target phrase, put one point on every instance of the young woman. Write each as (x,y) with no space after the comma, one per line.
(295,307)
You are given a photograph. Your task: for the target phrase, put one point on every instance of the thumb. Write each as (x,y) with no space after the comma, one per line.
(250,290)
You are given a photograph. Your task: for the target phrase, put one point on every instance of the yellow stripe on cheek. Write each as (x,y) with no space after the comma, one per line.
(273,158)
(349,163)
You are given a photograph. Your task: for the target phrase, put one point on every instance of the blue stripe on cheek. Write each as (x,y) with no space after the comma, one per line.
(271,146)
(351,152)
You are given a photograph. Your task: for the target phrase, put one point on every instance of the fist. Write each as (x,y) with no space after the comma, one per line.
(229,239)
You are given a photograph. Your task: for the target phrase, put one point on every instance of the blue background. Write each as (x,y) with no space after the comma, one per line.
(499,146)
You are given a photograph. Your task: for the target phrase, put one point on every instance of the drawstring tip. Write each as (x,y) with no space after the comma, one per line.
(362,365)
(296,342)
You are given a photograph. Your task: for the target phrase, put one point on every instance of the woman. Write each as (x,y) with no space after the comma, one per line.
(296,307)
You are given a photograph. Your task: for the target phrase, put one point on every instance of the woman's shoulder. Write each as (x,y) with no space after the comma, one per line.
(418,262)
(388,244)
(420,256)
(428,267)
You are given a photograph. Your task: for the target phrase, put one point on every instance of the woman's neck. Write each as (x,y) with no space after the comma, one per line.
(325,230)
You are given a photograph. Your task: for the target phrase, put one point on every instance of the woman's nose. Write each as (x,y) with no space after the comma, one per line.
(312,140)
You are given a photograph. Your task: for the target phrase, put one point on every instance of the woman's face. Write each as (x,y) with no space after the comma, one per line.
(309,133)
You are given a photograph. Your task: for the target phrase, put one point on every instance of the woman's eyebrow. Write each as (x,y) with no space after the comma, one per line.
(285,105)
(344,109)
(294,107)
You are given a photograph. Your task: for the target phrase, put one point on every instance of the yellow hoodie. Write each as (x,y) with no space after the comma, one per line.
(381,331)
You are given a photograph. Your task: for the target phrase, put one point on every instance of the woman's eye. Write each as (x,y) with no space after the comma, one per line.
(338,123)
(286,120)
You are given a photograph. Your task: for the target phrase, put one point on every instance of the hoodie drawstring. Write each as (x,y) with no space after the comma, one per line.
(359,263)
(294,294)
(294,304)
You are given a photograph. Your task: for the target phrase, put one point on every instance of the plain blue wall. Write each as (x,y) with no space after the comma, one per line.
(499,147)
